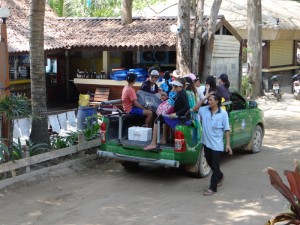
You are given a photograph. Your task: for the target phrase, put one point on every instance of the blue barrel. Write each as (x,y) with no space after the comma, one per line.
(86,116)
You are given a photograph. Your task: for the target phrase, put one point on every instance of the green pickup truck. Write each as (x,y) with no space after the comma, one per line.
(184,150)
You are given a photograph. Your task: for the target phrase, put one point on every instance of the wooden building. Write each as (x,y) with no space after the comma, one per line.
(103,44)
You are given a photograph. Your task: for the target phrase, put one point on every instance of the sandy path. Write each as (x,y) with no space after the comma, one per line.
(103,193)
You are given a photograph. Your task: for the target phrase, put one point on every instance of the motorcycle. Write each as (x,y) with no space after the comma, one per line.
(276,87)
(296,86)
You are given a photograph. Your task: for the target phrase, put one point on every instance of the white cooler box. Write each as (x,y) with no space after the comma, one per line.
(139,133)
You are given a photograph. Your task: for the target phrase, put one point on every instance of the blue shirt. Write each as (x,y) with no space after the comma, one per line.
(213,127)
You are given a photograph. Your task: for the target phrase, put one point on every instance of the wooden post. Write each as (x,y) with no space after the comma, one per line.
(13,173)
(26,155)
(81,140)
(4,74)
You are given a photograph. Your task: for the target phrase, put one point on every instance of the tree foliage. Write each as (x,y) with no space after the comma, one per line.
(94,8)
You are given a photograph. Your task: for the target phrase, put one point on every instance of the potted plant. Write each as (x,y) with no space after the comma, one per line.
(292,194)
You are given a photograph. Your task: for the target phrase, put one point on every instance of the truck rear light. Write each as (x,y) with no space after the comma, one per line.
(179,142)
(103,132)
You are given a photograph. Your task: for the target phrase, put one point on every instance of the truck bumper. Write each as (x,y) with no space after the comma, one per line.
(162,162)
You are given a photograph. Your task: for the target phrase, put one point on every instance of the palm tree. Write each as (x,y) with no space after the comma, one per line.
(39,132)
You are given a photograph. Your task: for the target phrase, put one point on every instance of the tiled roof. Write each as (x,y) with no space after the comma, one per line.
(106,33)
(18,25)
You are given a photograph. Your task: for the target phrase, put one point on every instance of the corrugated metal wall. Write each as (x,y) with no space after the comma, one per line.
(226,58)
(281,53)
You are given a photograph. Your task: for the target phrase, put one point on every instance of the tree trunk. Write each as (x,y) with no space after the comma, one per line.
(254,55)
(183,38)
(197,36)
(209,42)
(126,14)
(39,131)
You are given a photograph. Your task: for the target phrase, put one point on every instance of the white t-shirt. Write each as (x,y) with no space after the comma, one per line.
(200,91)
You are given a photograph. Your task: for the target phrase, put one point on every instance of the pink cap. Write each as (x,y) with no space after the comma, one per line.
(192,76)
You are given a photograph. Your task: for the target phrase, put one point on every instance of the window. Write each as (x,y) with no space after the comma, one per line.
(51,65)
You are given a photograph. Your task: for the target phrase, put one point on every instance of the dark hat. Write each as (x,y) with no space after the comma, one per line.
(197,78)
(188,80)
(223,77)
(131,77)
(167,75)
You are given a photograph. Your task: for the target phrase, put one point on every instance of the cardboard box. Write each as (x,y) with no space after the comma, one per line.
(139,133)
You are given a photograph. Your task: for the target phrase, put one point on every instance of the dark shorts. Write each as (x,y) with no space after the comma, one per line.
(136,111)
(172,122)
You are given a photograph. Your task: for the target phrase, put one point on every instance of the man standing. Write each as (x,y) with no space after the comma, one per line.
(214,123)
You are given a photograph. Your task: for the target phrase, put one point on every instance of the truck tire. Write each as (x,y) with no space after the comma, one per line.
(130,165)
(277,97)
(201,168)
(256,141)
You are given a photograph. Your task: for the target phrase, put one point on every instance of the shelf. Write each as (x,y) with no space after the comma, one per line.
(25,81)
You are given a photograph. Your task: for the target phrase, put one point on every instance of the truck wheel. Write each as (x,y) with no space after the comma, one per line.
(256,141)
(278,97)
(130,165)
(201,168)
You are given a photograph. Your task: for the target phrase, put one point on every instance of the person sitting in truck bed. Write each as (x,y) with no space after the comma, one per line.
(150,84)
(181,106)
(130,103)
(223,87)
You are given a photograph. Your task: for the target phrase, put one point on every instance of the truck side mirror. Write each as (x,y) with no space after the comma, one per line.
(252,104)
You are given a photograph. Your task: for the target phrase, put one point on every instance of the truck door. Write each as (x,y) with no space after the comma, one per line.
(240,121)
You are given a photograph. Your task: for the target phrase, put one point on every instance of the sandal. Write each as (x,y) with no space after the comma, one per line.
(150,148)
(209,192)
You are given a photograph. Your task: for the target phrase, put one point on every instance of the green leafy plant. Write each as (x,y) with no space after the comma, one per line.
(92,128)
(58,142)
(3,150)
(245,85)
(292,194)
(13,107)
(72,138)
(36,148)
(17,150)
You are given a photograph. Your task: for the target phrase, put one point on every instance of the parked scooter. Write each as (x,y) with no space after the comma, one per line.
(296,86)
(276,87)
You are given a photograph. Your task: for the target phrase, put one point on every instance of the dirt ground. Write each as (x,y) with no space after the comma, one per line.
(102,192)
